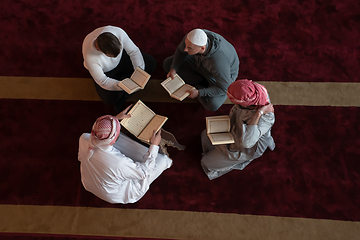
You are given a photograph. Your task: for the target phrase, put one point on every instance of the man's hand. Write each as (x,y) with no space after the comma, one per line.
(171,73)
(267,108)
(123,114)
(156,138)
(193,93)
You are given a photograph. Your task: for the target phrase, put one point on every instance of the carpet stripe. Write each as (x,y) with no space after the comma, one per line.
(137,223)
(167,224)
(282,93)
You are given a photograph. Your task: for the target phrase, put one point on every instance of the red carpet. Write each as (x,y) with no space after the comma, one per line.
(313,172)
(277,40)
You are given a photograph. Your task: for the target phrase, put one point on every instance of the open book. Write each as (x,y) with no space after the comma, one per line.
(218,130)
(176,87)
(137,81)
(143,121)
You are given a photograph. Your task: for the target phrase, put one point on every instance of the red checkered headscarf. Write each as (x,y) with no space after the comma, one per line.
(105,131)
(246,93)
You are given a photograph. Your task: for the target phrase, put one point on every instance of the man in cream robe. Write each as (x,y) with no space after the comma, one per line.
(251,119)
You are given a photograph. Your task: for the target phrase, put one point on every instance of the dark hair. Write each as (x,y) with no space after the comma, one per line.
(109,44)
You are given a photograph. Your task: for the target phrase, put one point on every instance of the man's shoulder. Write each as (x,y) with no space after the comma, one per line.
(217,42)
(84,138)
(110,28)
(208,32)
(214,37)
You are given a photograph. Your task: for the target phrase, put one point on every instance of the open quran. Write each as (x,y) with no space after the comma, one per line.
(143,121)
(176,87)
(218,130)
(137,81)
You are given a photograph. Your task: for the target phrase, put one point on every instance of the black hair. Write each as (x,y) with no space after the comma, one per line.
(109,44)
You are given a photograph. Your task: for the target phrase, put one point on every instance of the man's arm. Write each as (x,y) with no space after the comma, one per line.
(101,79)
(133,51)
(136,170)
(179,57)
(153,149)
(252,131)
(220,73)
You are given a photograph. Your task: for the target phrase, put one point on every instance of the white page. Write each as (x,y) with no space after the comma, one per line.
(127,82)
(174,84)
(140,77)
(141,115)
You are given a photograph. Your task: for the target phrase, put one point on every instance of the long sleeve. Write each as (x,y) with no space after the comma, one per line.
(98,63)
(252,133)
(221,78)
(150,156)
(133,51)
(101,79)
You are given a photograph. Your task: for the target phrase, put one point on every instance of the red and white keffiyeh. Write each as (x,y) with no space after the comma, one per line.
(105,131)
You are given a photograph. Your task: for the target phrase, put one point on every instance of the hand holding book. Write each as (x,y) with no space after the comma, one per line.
(124,114)
(156,138)
(177,88)
(137,81)
(143,121)
(194,93)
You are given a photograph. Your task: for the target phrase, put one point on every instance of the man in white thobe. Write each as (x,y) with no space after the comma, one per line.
(116,168)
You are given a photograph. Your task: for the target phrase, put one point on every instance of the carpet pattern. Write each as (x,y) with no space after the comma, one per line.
(313,172)
(67,237)
(277,40)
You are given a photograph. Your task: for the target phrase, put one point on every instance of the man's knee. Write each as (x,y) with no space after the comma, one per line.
(212,104)
(163,162)
(212,108)
(150,63)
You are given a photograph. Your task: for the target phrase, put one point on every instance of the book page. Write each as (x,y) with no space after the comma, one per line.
(221,138)
(181,92)
(171,85)
(129,84)
(140,77)
(155,124)
(218,124)
(141,115)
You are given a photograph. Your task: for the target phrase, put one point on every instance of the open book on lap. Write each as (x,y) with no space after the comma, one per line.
(143,121)
(218,130)
(137,81)
(176,87)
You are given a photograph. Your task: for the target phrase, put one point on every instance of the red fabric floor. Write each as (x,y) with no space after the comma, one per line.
(276,40)
(314,171)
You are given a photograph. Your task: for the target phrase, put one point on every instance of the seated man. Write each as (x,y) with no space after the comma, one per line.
(251,119)
(206,61)
(118,171)
(110,56)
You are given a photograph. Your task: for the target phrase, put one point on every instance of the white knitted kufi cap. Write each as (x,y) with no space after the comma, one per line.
(197,37)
